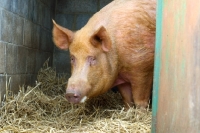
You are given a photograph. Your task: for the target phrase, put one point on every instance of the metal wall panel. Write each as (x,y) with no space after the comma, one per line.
(176,98)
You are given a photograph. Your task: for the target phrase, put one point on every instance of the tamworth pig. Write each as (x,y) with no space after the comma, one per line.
(115,48)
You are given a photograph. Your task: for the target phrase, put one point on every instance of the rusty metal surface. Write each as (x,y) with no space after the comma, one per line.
(178,108)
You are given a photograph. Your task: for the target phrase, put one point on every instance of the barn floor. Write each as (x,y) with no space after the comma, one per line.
(43,108)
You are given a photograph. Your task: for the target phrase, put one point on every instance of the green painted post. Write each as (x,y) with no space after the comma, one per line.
(176,88)
(157,64)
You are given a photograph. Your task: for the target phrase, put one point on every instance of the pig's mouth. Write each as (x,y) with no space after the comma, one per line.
(75,97)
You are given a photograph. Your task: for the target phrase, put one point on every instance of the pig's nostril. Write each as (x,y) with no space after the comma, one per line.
(75,96)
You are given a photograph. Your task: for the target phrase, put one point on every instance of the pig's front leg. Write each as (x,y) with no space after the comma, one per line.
(126,93)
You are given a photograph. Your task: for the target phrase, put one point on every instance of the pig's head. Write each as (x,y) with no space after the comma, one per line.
(93,62)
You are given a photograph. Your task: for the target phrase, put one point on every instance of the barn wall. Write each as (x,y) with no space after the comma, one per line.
(73,14)
(25,40)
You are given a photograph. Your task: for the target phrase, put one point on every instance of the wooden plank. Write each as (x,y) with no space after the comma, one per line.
(178,108)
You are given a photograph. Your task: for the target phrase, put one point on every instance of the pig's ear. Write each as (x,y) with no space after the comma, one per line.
(101,39)
(62,37)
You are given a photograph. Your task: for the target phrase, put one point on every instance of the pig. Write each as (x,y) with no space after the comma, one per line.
(114,48)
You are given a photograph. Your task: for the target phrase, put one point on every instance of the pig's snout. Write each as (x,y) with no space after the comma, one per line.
(73,96)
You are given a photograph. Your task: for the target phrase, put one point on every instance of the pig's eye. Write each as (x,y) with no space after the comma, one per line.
(72,59)
(91,60)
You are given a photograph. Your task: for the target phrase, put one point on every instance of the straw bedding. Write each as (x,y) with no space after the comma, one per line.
(43,108)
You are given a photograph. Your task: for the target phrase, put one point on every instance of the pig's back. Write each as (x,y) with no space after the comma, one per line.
(123,18)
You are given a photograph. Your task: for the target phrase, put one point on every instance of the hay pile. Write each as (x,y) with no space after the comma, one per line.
(43,109)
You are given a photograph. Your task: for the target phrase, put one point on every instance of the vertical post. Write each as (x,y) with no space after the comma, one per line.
(176,92)
(157,63)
